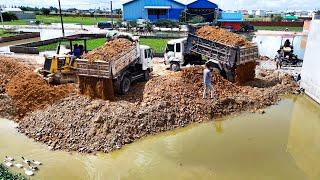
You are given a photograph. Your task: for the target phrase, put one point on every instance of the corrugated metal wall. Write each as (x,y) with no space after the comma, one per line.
(135,10)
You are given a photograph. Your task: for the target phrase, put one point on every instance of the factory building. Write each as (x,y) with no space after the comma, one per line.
(152,10)
(203,8)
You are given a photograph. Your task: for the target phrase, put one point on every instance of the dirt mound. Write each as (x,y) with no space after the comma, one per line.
(96,88)
(110,50)
(30,92)
(9,67)
(222,36)
(168,102)
(245,72)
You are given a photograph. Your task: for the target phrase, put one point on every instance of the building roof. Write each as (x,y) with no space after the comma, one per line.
(230,17)
(167,0)
(11,10)
(289,17)
(202,4)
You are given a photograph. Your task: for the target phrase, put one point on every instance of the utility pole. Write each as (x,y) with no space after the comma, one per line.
(63,34)
(111,14)
(1,18)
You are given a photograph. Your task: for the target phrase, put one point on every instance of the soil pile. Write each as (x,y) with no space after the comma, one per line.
(30,92)
(9,67)
(223,36)
(164,103)
(96,88)
(110,50)
(245,73)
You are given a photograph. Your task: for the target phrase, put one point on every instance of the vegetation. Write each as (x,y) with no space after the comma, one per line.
(7,16)
(6,174)
(158,45)
(277,18)
(197,19)
(167,23)
(45,11)
(279,28)
(66,19)
(318,12)
(5,33)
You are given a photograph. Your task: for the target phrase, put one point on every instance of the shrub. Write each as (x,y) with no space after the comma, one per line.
(277,18)
(197,19)
(167,23)
(5,174)
(7,16)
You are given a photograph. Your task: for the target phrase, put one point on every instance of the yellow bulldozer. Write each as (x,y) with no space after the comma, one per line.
(61,67)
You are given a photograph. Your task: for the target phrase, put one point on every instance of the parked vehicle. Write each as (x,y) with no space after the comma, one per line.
(105,25)
(194,49)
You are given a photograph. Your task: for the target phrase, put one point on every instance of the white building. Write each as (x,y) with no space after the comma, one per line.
(261,13)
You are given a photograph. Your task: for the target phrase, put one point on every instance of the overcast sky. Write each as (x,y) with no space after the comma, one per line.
(223,4)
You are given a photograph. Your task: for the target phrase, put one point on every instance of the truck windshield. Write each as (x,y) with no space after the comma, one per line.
(170,47)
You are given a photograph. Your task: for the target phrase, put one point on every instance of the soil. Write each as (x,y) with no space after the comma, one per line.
(245,72)
(111,50)
(223,36)
(78,123)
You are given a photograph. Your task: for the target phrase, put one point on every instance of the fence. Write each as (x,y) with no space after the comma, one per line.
(273,23)
(19,37)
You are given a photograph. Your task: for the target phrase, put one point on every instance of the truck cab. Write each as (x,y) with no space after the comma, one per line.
(173,55)
(146,58)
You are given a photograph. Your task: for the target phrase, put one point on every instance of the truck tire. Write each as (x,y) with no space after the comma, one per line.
(174,66)
(125,85)
(146,75)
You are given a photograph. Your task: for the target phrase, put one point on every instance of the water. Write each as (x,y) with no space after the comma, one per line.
(269,44)
(281,144)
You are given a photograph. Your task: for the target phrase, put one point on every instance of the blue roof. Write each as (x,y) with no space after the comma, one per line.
(230,17)
(202,4)
(168,0)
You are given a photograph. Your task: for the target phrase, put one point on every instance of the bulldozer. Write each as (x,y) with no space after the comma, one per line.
(61,67)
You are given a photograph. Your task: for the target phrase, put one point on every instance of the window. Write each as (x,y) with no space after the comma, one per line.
(170,47)
(157,12)
(146,54)
(178,47)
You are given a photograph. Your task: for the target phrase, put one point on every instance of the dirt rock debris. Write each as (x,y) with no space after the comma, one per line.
(111,50)
(78,123)
(223,36)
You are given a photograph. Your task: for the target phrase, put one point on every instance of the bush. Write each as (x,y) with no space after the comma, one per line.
(318,12)
(277,18)
(45,11)
(37,22)
(250,16)
(7,16)
(5,174)
(167,23)
(197,19)
(132,23)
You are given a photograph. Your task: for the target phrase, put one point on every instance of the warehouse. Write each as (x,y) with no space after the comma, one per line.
(152,10)
(203,8)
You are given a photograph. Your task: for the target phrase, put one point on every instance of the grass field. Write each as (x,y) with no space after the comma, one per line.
(157,44)
(278,28)
(5,33)
(66,19)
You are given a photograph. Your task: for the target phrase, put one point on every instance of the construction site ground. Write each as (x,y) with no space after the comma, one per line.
(167,101)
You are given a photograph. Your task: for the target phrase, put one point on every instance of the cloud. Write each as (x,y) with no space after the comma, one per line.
(224,4)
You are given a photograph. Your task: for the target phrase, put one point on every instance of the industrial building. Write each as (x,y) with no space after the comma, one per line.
(231,20)
(168,9)
(152,10)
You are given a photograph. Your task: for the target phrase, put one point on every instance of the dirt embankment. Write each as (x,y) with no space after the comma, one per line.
(164,103)
(23,91)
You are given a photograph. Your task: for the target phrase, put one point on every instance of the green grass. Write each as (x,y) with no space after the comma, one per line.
(5,33)
(158,45)
(91,44)
(6,174)
(278,28)
(66,19)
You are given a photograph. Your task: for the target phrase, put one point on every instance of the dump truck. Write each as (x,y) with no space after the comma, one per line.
(101,78)
(194,50)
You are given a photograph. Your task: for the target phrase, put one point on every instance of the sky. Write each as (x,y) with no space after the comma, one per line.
(223,4)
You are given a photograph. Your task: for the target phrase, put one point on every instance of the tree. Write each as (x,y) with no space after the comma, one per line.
(318,12)
(45,11)
(277,18)
(7,16)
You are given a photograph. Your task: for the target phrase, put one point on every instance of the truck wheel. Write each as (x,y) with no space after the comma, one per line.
(125,85)
(146,75)
(175,66)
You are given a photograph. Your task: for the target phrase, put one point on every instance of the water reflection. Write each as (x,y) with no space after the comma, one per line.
(268,45)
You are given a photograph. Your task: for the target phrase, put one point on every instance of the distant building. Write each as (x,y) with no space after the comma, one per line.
(231,19)
(261,13)
(203,8)
(252,12)
(152,10)
(19,13)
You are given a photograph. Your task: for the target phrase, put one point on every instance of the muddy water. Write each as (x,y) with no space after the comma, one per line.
(281,144)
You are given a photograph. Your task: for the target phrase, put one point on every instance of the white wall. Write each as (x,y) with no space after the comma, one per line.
(311,67)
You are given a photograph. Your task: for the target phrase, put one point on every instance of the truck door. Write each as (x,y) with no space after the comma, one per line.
(178,52)
(147,59)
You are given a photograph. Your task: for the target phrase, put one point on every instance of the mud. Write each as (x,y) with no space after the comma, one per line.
(245,73)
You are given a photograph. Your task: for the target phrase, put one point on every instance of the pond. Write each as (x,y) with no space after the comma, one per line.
(281,144)
(269,44)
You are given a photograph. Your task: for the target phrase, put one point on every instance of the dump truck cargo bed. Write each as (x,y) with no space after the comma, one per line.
(222,52)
